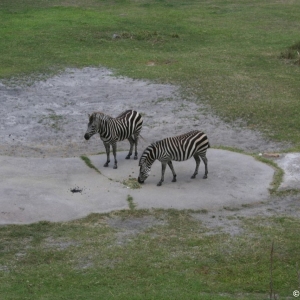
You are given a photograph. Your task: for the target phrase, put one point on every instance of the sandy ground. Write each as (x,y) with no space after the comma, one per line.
(48,119)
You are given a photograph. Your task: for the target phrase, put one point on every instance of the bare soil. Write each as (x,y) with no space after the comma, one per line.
(49,118)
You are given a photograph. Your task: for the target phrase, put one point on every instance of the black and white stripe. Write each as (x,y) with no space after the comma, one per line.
(178,148)
(111,130)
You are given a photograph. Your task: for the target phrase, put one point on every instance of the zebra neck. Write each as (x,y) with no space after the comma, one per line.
(153,154)
(104,126)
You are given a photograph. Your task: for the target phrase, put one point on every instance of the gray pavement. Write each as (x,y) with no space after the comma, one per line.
(36,189)
(290,163)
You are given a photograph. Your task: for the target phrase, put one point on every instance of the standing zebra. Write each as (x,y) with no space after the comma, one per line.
(127,125)
(178,148)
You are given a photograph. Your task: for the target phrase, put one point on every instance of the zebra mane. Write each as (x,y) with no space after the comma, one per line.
(99,113)
(145,155)
(102,113)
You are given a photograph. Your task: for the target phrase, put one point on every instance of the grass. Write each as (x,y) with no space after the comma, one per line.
(278,174)
(89,163)
(292,53)
(131,183)
(131,204)
(239,57)
(177,257)
(225,53)
(53,120)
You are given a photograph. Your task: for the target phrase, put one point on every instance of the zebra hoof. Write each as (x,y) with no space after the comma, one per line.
(115,167)
(205,177)
(127,157)
(105,165)
(193,177)
(159,184)
(174,180)
(135,158)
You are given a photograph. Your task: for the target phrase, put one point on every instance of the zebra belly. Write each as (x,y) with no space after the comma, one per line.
(178,154)
(179,157)
(115,138)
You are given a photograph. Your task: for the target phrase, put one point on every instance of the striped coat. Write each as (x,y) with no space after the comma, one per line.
(179,148)
(127,125)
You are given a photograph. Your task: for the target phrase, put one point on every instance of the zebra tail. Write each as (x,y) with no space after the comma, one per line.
(142,138)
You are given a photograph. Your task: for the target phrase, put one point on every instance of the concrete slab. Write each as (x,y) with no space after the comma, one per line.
(35,189)
(233,179)
(290,163)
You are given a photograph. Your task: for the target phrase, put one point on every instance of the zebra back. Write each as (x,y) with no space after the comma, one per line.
(125,125)
(176,148)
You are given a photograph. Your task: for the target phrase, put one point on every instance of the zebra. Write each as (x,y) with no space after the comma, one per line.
(127,125)
(179,148)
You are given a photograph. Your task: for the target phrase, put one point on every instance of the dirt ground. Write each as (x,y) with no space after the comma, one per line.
(49,119)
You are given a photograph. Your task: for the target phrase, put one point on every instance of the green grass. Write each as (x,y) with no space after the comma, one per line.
(226,53)
(131,183)
(131,203)
(176,258)
(237,56)
(278,174)
(89,163)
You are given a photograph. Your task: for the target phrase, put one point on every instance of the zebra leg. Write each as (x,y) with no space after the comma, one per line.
(131,141)
(114,147)
(173,171)
(135,149)
(205,163)
(163,169)
(197,159)
(107,148)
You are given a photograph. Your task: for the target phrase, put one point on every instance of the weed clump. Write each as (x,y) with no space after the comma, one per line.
(292,53)
(132,183)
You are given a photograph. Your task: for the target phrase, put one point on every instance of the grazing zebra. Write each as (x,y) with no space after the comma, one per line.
(178,148)
(127,125)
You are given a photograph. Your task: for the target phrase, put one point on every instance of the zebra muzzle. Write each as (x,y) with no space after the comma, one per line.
(86,136)
(140,181)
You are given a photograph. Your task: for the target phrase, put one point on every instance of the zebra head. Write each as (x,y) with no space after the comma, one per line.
(145,164)
(92,126)
(144,172)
